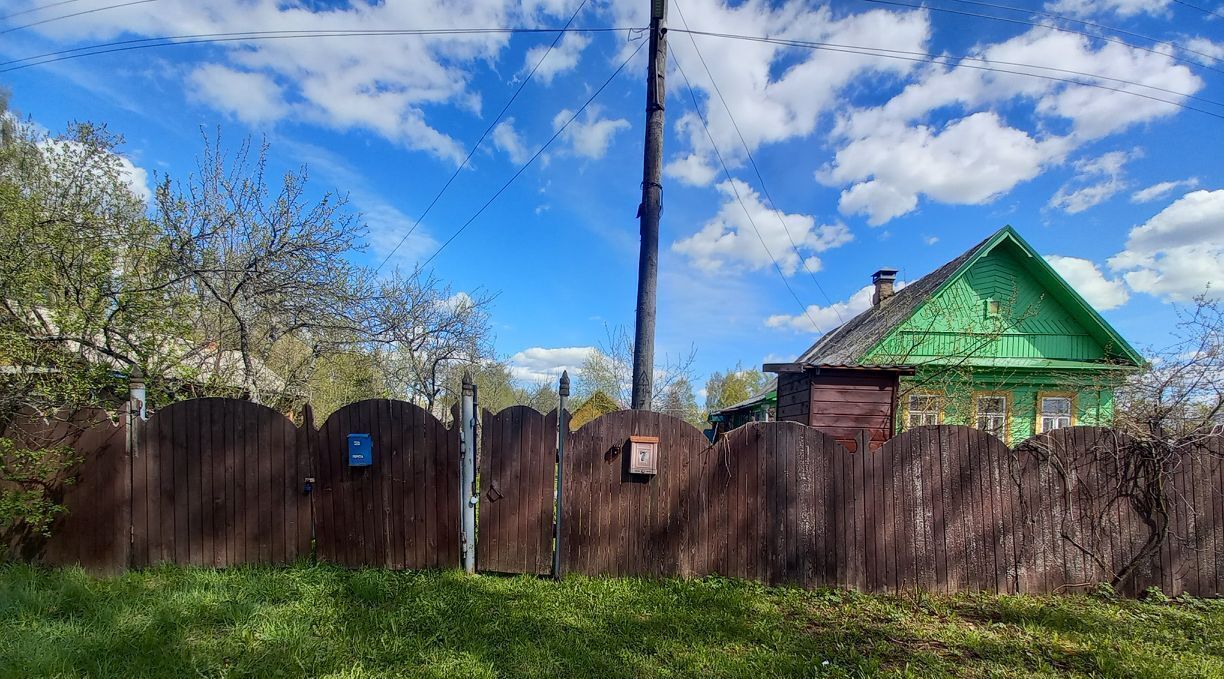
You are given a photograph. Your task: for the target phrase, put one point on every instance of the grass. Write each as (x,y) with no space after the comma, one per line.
(324,621)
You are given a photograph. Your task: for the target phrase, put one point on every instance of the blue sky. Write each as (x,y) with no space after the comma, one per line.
(870,161)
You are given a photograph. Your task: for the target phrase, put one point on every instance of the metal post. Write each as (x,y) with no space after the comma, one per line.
(467,474)
(562,430)
(650,209)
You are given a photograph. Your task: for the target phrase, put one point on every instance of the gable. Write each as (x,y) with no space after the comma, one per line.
(1041,321)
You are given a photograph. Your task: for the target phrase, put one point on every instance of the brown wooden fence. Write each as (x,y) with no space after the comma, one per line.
(217,482)
(517,477)
(400,512)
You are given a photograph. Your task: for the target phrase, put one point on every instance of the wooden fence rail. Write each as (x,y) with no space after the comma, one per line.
(217,482)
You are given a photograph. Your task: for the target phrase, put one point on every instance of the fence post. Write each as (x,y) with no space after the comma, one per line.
(467,475)
(562,429)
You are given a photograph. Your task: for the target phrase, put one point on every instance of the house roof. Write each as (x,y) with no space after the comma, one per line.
(849,343)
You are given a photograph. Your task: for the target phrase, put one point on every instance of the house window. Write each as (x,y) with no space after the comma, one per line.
(923,410)
(992,308)
(1055,412)
(992,414)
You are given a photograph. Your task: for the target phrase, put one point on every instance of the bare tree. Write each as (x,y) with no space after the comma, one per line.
(610,369)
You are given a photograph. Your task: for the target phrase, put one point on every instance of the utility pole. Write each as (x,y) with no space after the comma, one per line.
(648,211)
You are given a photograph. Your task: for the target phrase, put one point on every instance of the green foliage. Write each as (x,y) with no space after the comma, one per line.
(325,621)
(679,401)
(733,386)
(31,483)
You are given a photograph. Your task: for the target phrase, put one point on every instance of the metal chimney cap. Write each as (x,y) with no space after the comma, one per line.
(884,275)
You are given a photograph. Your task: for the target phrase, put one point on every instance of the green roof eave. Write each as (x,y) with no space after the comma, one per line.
(1028,363)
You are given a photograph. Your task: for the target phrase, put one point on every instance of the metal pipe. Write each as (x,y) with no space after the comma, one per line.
(562,430)
(467,474)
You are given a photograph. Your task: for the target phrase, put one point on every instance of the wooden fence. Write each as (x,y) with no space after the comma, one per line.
(218,482)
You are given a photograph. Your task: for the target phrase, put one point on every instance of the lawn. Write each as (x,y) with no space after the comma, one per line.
(324,621)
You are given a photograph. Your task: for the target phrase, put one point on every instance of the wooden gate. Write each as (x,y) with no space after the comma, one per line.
(401,511)
(517,480)
(218,482)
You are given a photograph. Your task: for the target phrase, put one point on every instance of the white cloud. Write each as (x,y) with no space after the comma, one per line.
(775,93)
(1123,8)
(381,84)
(971,161)
(930,240)
(1084,275)
(252,97)
(1096,181)
(826,317)
(1161,190)
(729,240)
(590,135)
(562,59)
(1179,253)
(507,140)
(540,364)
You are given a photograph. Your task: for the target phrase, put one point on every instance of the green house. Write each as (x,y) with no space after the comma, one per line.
(994,339)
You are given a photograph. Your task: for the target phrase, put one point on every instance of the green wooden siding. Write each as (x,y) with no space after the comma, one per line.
(955,323)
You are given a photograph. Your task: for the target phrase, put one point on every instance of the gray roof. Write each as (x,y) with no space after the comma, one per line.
(770,387)
(847,343)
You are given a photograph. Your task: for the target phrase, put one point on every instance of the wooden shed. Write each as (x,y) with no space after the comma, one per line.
(840,400)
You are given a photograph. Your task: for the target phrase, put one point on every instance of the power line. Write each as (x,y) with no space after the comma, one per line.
(1082,22)
(1035,24)
(886,54)
(735,190)
(489,129)
(39,8)
(533,158)
(1201,9)
(252,36)
(757,170)
(74,14)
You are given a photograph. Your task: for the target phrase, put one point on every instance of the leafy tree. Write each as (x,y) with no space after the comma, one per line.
(679,401)
(733,386)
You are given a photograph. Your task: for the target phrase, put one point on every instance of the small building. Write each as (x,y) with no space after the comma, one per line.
(841,400)
(760,407)
(994,339)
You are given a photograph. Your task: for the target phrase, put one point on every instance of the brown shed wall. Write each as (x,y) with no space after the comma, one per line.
(842,403)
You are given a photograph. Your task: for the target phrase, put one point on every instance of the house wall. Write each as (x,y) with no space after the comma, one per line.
(1092,400)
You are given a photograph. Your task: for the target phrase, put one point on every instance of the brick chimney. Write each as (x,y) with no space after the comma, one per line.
(883,280)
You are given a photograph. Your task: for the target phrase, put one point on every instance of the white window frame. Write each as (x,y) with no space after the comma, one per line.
(1000,430)
(1054,421)
(934,409)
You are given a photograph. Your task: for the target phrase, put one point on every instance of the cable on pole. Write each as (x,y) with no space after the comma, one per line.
(1082,22)
(1106,38)
(533,158)
(950,61)
(760,179)
(254,36)
(735,190)
(483,135)
(74,14)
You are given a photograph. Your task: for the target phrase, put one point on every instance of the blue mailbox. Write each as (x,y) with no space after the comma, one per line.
(360,450)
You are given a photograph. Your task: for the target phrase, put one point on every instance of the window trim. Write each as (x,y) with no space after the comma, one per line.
(1069,395)
(1007,415)
(939,412)
(998,310)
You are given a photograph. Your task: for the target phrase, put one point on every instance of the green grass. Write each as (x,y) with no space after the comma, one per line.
(323,621)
